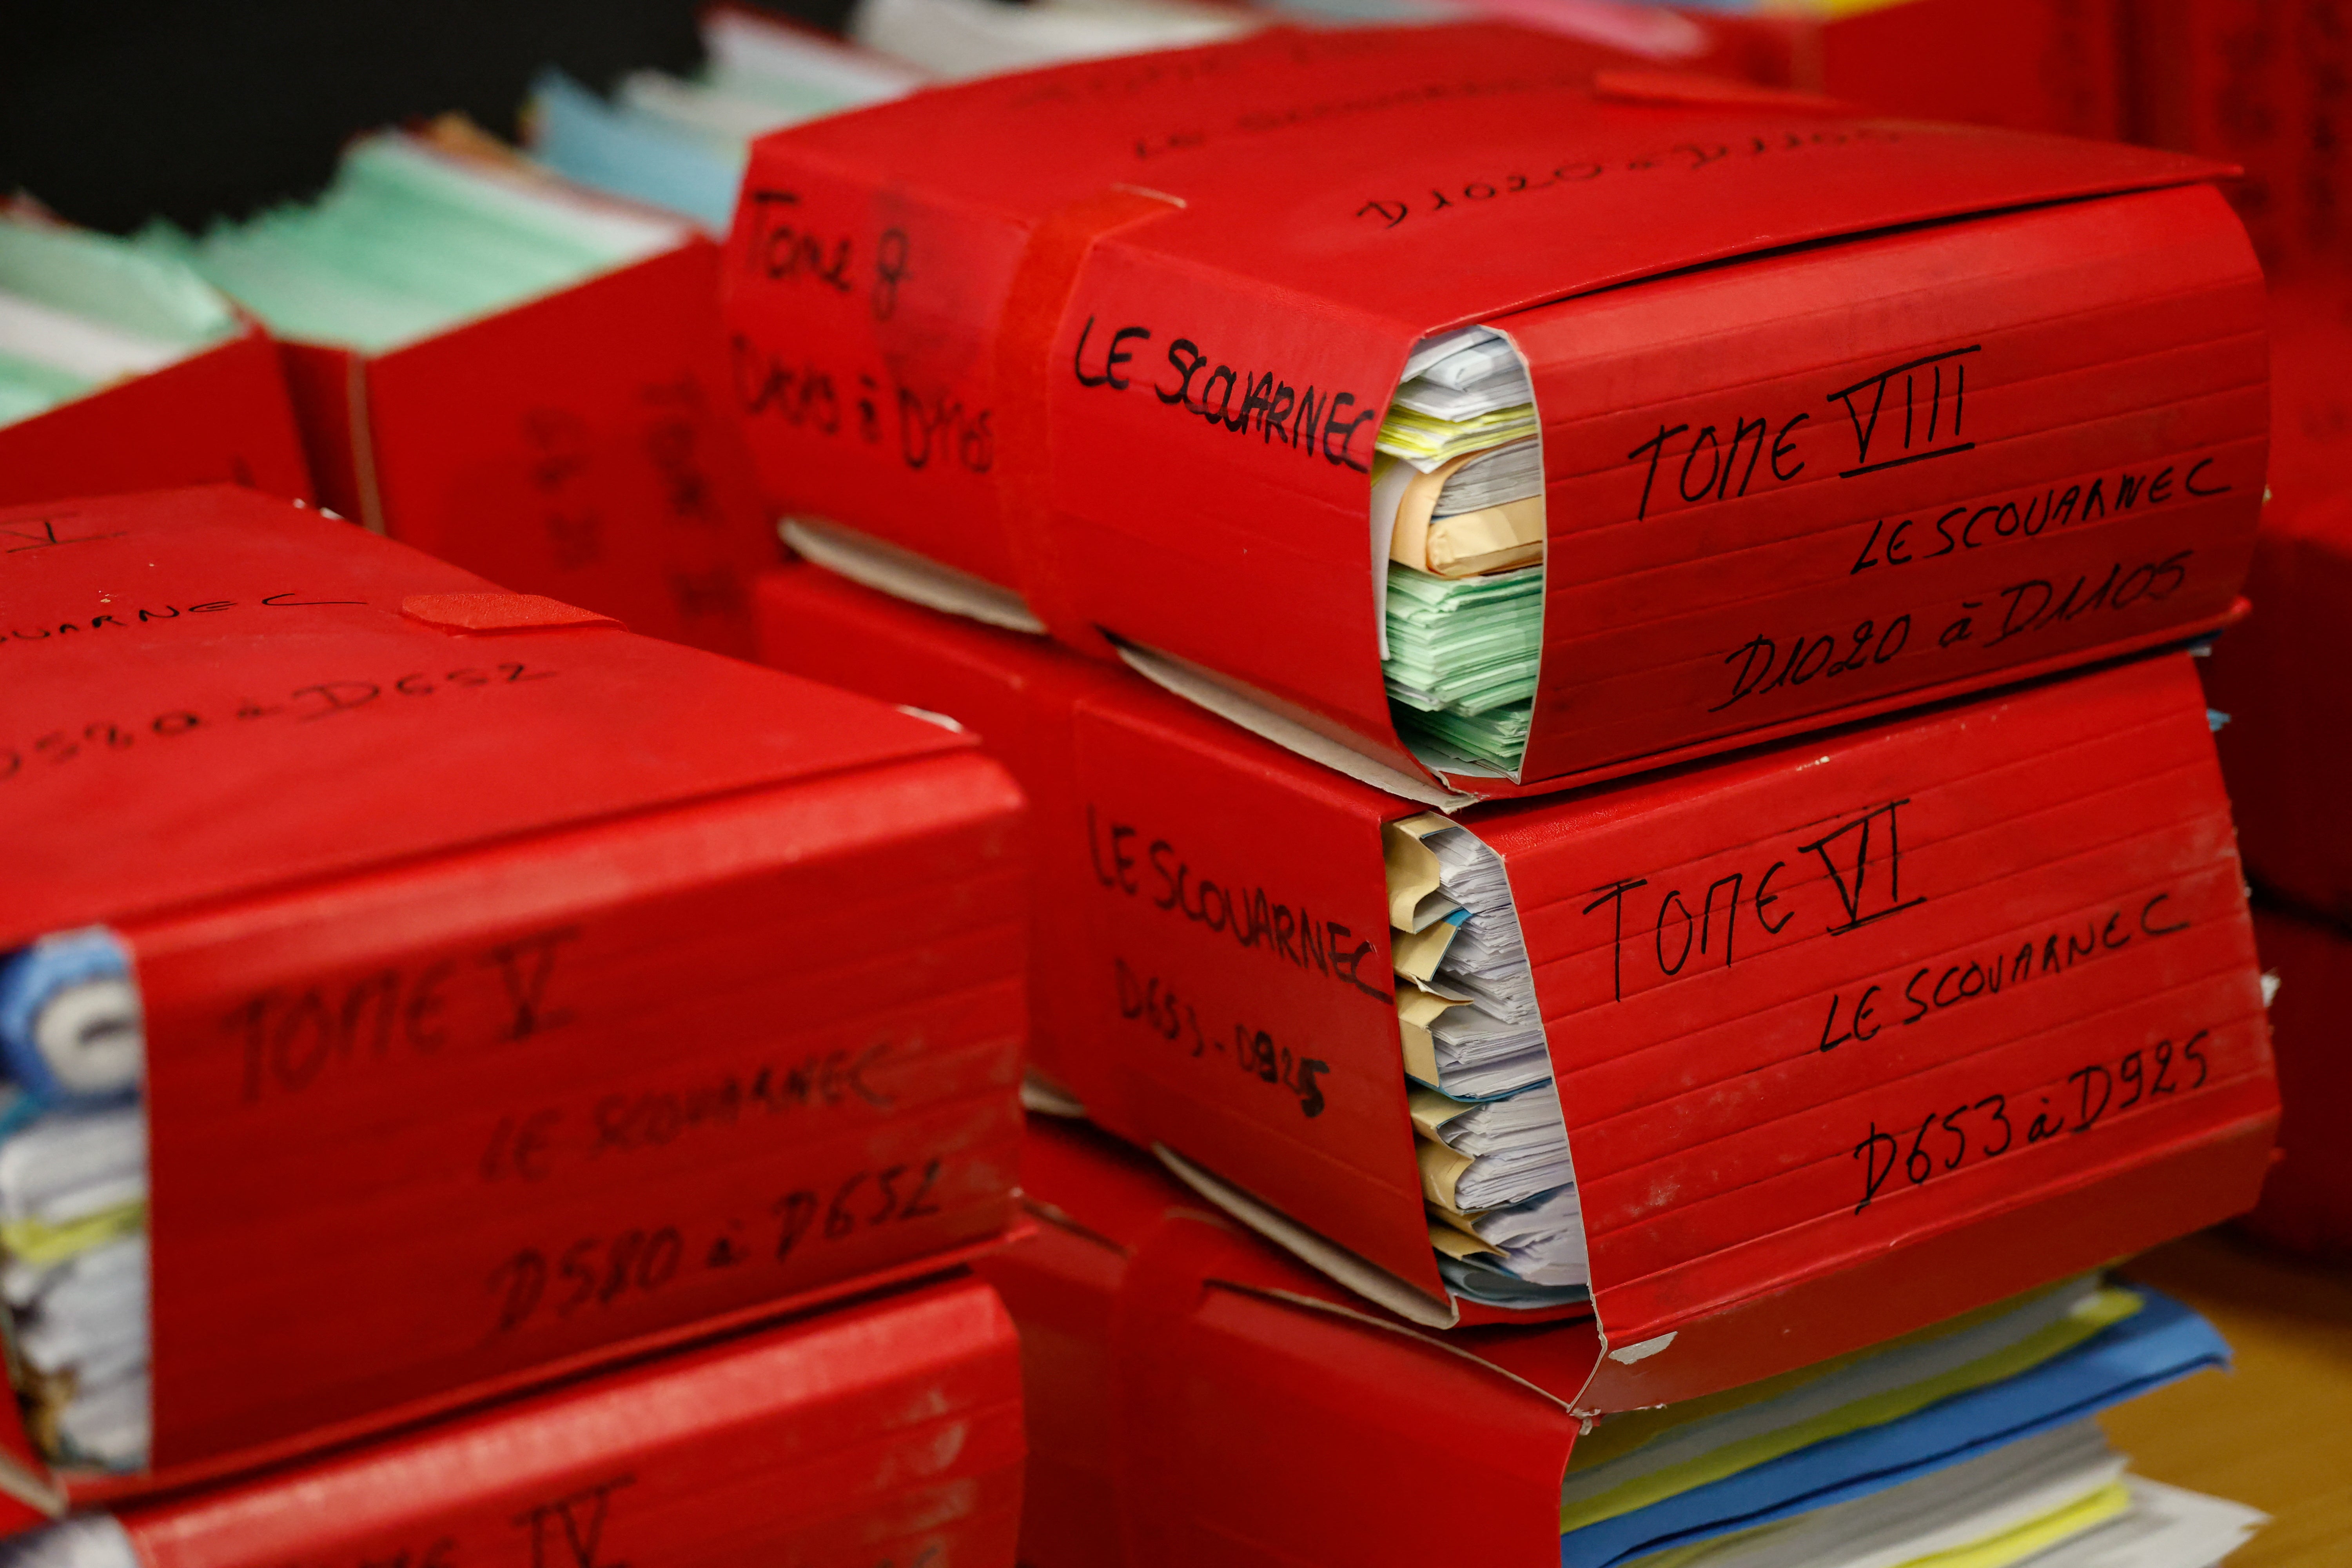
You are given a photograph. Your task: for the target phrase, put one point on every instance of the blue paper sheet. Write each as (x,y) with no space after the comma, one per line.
(2162,1341)
(584,138)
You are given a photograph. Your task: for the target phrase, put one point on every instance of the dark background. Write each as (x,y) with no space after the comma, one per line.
(113,111)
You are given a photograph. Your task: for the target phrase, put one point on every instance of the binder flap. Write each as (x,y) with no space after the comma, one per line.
(1279,1072)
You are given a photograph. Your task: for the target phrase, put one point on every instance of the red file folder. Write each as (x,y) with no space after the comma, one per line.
(1753,323)
(2307,1202)
(2279,674)
(2030,65)
(518,990)
(882,1432)
(1193,1397)
(1822,1094)
(575,446)
(2261,86)
(218,416)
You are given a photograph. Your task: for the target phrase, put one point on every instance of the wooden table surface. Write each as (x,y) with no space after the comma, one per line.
(2277,1431)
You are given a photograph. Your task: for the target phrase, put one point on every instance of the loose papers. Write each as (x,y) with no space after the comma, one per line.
(73,1198)
(2036,1384)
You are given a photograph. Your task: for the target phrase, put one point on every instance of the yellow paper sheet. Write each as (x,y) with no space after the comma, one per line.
(1622,1434)
(2102,1309)
(2012,1545)
(2035,1534)
(43,1243)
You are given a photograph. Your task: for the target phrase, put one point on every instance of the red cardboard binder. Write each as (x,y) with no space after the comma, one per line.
(2286,746)
(950,346)
(1747,1125)
(882,1432)
(1194,1398)
(2260,85)
(2288,742)
(517,992)
(2031,65)
(2307,1202)
(220,416)
(575,444)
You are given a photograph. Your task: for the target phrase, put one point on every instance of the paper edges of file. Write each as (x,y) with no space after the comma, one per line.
(1457,520)
(73,1199)
(412,238)
(79,313)
(680,143)
(1488,1134)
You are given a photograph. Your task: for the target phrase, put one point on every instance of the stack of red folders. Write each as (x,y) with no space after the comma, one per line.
(1613,769)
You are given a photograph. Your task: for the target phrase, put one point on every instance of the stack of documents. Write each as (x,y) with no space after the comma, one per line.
(510,372)
(80,312)
(73,1197)
(1457,492)
(1970,1437)
(1967,1443)
(680,143)
(1463,655)
(407,243)
(1492,1147)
